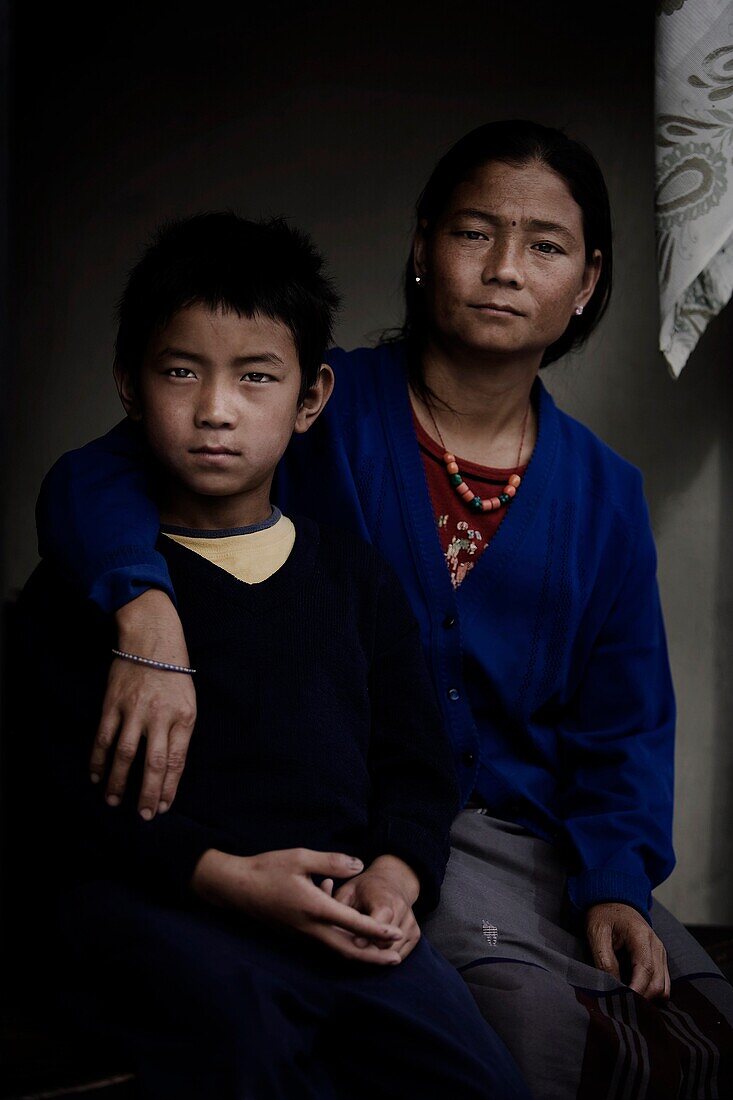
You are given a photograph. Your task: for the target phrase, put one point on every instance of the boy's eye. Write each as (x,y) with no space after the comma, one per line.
(547,248)
(256,376)
(180,372)
(471,235)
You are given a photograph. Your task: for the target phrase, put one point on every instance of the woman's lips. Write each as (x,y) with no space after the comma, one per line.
(497,310)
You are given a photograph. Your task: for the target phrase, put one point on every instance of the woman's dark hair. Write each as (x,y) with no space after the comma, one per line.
(517,142)
(226,262)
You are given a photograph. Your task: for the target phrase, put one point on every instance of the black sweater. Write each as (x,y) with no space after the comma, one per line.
(317,723)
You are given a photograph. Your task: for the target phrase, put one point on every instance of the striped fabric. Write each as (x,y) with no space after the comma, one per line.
(634,1049)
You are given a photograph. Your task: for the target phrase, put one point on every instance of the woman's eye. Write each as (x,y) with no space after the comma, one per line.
(180,372)
(547,247)
(256,376)
(472,235)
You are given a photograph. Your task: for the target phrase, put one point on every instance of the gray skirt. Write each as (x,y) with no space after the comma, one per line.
(504,922)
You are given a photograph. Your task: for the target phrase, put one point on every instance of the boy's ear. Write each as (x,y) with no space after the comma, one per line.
(315,399)
(128,395)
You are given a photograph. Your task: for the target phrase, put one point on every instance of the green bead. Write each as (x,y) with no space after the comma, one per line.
(455,479)
(475,504)
(503,498)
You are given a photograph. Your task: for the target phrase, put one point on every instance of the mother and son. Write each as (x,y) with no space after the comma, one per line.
(418,607)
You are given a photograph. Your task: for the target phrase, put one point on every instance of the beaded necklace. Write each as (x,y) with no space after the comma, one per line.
(474,502)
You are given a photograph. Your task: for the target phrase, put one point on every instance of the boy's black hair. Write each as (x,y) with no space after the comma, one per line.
(226,262)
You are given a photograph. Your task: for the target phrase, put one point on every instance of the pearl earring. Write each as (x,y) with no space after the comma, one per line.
(418,280)
(578,311)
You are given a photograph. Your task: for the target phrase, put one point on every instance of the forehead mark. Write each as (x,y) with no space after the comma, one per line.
(534,224)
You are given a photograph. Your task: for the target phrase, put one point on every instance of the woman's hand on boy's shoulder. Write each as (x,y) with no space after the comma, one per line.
(278,888)
(386,891)
(145,702)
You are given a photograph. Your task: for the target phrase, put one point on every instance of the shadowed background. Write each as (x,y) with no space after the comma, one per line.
(333,115)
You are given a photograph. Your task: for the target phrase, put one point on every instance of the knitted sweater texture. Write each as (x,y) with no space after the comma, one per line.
(317,724)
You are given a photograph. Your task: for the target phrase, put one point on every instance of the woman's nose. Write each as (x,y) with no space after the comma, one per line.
(504,263)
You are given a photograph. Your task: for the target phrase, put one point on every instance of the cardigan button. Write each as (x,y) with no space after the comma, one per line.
(453,694)
(449,621)
(468,759)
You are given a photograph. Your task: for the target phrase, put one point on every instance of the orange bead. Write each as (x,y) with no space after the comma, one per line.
(464,490)
(486,506)
(510,490)
(495,502)
(448,457)
(452,467)
(515,481)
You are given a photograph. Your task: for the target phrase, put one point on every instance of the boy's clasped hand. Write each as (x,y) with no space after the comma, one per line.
(369,918)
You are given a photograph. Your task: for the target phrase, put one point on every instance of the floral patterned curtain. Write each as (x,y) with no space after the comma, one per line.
(694,163)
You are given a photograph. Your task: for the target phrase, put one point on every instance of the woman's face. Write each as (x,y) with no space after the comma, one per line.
(504,268)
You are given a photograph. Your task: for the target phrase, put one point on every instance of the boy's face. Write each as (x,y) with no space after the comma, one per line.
(218,399)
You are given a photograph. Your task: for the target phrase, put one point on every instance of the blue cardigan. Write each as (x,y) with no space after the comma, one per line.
(550,659)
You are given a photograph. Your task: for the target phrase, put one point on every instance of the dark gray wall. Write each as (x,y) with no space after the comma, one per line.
(333,114)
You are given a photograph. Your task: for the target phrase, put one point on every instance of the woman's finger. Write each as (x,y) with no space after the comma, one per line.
(667,979)
(600,939)
(178,741)
(156,762)
(643,968)
(659,986)
(327,886)
(125,753)
(104,739)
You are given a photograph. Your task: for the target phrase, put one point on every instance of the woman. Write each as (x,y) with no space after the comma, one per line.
(525,548)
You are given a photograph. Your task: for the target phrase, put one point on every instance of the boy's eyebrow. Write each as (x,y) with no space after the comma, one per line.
(239,361)
(529,223)
(260,357)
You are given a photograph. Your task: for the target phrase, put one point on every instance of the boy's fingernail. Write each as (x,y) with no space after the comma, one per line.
(360,942)
(146,814)
(113,800)
(356,864)
(94,777)
(162,807)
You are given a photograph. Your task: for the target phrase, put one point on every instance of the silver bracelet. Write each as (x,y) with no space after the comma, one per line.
(164,666)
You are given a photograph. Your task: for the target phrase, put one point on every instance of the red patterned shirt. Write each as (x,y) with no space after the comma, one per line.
(463,534)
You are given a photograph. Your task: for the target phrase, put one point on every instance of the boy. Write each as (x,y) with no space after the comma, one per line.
(259,937)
